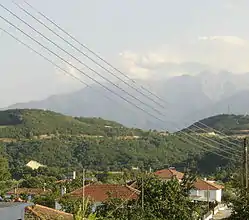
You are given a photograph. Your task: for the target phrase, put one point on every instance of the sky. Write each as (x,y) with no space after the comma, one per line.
(141,38)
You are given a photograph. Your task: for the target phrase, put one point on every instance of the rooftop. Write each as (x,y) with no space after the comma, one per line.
(28,191)
(169,173)
(198,184)
(102,192)
(206,185)
(44,212)
(34,164)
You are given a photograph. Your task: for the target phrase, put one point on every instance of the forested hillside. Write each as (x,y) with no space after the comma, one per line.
(29,123)
(61,141)
(228,124)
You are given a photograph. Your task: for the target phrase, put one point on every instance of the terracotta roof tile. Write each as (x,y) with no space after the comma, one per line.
(206,185)
(102,192)
(169,173)
(29,191)
(44,212)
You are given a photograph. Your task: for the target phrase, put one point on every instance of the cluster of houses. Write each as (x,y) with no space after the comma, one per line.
(204,190)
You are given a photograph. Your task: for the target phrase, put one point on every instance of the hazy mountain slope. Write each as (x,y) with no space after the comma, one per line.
(183,95)
(235,104)
(187,99)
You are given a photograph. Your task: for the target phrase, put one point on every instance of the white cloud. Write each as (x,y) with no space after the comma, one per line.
(226,39)
(208,52)
(157,64)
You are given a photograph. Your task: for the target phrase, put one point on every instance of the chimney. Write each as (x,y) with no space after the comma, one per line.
(74,175)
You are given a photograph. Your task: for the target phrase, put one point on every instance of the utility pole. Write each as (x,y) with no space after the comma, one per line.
(208,198)
(142,191)
(83,192)
(245,164)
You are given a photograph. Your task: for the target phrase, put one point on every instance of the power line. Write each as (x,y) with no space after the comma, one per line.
(57,66)
(87,65)
(219,132)
(84,54)
(203,148)
(217,142)
(219,149)
(81,71)
(125,99)
(106,62)
(58,46)
(91,51)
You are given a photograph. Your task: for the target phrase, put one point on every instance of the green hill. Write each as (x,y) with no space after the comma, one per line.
(61,141)
(28,123)
(228,124)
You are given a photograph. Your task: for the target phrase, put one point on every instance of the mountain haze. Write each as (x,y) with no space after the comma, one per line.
(187,99)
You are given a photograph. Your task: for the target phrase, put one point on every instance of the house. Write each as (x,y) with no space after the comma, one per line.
(204,190)
(99,193)
(102,192)
(30,192)
(43,212)
(168,174)
(13,210)
(34,165)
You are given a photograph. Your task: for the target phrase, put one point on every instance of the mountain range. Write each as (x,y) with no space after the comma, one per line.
(186,99)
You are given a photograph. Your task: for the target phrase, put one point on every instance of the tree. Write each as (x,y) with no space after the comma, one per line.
(82,214)
(168,200)
(240,207)
(4,169)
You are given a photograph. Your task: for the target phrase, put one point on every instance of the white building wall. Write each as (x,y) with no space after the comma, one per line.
(214,195)
(193,192)
(12,213)
(218,195)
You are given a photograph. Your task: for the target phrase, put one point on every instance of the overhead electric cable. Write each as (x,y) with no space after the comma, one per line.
(106,62)
(87,85)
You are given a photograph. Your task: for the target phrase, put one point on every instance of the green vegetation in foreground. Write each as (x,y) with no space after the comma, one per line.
(228,124)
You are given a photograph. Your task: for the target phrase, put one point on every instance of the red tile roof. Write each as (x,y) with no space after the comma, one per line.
(29,191)
(169,173)
(43,212)
(206,185)
(102,192)
(198,184)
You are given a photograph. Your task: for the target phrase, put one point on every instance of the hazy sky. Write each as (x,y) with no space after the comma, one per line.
(138,36)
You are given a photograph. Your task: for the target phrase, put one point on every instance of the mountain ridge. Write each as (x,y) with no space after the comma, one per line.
(186,101)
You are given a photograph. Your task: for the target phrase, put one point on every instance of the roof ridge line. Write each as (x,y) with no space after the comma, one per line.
(54,209)
(133,189)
